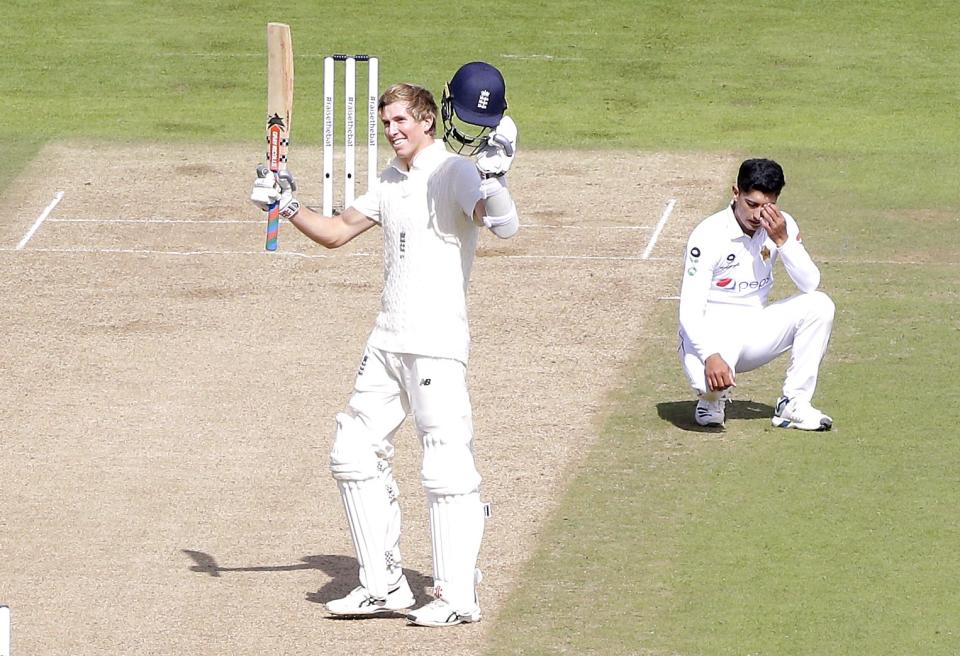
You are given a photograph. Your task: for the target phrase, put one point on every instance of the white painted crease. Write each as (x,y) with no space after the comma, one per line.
(656,233)
(161,221)
(40,219)
(319,256)
(535,226)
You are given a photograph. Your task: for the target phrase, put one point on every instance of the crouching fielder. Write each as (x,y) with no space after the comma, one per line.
(726,325)
(431,205)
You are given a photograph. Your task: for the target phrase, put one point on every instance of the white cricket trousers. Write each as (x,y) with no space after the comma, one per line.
(390,386)
(432,390)
(752,337)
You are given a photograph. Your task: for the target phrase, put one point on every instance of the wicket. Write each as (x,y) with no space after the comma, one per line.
(349,126)
(4,630)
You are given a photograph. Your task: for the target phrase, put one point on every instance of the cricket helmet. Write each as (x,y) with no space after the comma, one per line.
(475,96)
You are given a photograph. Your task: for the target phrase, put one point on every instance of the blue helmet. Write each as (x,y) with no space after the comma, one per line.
(476,95)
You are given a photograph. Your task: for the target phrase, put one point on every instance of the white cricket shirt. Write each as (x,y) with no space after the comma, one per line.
(725,268)
(429,241)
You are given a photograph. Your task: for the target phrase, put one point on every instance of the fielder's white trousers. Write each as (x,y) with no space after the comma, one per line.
(752,337)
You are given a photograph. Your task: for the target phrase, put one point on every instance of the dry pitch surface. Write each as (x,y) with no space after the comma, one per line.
(169,391)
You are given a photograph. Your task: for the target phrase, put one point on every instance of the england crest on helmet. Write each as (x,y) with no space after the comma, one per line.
(474,97)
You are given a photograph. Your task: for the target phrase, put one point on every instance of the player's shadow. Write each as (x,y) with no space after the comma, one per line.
(342,571)
(680,414)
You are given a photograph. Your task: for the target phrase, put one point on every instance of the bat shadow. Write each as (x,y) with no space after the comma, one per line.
(342,571)
(680,414)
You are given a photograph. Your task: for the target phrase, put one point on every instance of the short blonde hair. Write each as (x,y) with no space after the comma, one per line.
(419,101)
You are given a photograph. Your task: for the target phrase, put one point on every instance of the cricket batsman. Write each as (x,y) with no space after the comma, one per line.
(430,204)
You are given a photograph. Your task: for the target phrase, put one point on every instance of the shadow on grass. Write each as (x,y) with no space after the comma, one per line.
(680,414)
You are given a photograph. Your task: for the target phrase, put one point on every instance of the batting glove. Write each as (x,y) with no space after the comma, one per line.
(270,188)
(497,155)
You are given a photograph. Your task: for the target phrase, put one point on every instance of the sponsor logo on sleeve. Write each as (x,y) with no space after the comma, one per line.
(693,260)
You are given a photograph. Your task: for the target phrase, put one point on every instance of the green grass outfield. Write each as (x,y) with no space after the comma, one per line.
(669,541)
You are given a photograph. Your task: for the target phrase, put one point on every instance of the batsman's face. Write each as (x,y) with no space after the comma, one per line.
(407,135)
(747,206)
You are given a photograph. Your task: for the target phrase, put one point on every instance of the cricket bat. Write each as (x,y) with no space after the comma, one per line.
(279,112)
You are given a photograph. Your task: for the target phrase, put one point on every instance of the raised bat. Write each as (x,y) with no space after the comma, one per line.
(279,112)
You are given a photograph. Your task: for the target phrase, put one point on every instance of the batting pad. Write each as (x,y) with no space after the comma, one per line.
(456,525)
(392,538)
(371,517)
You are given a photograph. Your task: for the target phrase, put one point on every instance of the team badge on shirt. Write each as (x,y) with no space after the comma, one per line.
(765,253)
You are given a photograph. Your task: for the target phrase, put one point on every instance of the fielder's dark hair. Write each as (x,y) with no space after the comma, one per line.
(761,174)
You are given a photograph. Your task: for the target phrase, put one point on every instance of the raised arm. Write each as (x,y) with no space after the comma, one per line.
(785,233)
(496,209)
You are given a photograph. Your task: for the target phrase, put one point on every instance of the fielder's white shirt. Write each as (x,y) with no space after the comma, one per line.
(725,269)
(429,241)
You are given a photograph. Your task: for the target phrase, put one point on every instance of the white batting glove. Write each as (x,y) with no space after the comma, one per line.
(270,188)
(266,191)
(497,155)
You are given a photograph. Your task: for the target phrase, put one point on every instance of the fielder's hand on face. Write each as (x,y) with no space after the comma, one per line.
(771,218)
(496,157)
(270,188)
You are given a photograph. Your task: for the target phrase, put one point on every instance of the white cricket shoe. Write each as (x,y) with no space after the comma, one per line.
(439,612)
(712,413)
(800,414)
(360,603)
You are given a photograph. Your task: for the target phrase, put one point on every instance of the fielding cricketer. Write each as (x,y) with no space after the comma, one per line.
(726,325)
(431,204)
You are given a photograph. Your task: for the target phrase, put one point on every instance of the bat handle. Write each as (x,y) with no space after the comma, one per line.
(273,215)
(273,226)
